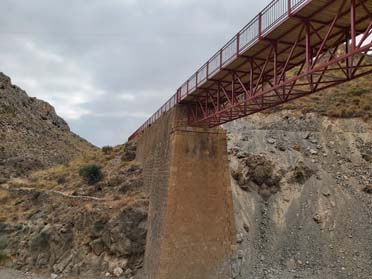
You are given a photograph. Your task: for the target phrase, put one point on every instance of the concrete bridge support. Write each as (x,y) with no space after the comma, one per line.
(191,233)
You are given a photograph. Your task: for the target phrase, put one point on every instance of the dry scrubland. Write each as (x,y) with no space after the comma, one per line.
(56,220)
(348,100)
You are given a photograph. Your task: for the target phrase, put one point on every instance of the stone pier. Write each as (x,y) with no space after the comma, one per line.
(191,232)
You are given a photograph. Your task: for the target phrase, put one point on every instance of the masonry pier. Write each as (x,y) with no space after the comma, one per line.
(191,232)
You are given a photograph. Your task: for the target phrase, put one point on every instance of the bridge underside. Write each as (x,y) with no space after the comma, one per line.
(324,44)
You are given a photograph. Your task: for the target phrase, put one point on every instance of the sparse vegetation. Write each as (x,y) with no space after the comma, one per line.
(367,107)
(3,257)
(129,152)
(237,175)
(61,180)
(356,101)
(98,226)
(6,109)
(256,172)
(368,189)
(40,242)
(107,149)
(358,91)
(91,173)
(301,173)
(262,174)
(351,99)
(3,244)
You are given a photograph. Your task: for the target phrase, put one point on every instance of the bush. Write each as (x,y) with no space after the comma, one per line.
(358,91)
(367,107)
(3,244)
(301,173)
(40,242)
(91,173)
(107,149)
(129,152)
(356,101)
(262,173)
(6,109)
(99,226)
(3,257)
(368,189)
(61,180)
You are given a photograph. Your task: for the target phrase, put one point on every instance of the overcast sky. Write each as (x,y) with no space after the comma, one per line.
(107,65)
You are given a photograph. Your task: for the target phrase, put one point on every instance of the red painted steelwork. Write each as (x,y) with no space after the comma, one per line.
(323,54)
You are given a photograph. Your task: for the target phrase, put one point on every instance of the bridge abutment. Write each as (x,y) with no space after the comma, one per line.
(191,231)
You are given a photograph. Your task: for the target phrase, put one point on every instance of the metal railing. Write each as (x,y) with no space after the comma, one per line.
(270,17)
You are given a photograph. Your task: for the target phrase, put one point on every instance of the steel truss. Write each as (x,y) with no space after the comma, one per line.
(323,55)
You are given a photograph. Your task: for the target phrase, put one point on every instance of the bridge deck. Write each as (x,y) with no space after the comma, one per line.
(286,27)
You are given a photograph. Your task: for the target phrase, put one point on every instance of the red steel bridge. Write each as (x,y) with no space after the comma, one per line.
(291,49)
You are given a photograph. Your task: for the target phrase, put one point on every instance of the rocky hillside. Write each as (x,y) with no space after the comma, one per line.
(302,189)
(88,216)
(66,207)
(32,136)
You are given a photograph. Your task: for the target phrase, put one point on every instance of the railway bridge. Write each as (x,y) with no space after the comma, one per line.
(291,49)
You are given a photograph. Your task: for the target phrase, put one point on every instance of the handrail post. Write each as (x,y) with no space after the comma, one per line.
(178,95)
(238,45)
(220,58)
(289,8)
(207,70)
(260,26)
(275,46)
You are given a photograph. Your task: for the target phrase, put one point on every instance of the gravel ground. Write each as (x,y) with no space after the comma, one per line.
(6,273)
(13,274)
